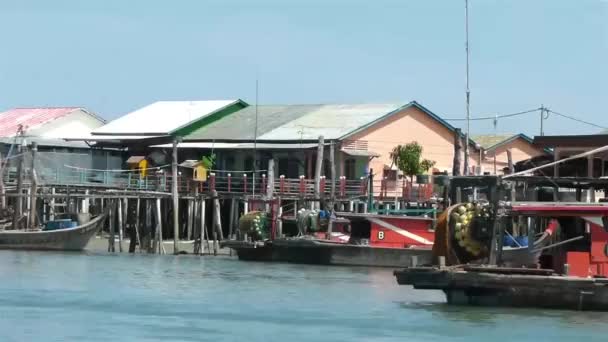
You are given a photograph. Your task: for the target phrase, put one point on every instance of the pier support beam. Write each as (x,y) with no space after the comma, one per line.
(318,168)
(174,196)
(18,200)
(33,188)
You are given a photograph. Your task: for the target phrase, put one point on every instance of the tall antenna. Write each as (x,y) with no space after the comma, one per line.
(468,91)
(255,135)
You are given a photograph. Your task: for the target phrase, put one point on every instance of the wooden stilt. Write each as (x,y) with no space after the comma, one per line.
(120,223)
(150,240)
(318,168)
(231,218)
(111,238)
(332,162)
(159,228)
(279,219)
(2,189)
(217,223)
(190,219)
(18,201)
(136,227)
(204,233)
(175,198)
(33,188)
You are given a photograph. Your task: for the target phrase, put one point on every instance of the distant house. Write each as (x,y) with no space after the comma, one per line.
(363,135)
(494,150)
(158,123)
(48,127)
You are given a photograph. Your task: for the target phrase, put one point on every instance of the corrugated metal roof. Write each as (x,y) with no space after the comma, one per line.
(163,117)
(239,146)
(100,137)
(490,142)
(46,142)
(294,122)
(30,118)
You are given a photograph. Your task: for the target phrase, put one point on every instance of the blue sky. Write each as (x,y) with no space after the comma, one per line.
(114,56)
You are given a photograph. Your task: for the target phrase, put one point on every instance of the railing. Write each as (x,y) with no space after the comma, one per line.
(402,189)
(246,183)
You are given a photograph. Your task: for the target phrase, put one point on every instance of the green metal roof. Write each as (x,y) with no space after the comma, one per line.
(302,122)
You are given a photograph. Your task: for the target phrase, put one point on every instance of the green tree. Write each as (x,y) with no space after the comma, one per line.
(408,159)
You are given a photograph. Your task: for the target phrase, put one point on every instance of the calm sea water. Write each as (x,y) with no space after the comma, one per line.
(100,297)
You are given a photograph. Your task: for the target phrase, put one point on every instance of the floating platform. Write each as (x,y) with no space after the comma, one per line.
(325,252)
(512,287)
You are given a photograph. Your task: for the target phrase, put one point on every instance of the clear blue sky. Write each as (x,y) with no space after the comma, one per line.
(113,56)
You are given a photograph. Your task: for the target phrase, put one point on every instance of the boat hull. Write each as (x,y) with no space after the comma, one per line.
(480,288)
(70,239)
(326,253)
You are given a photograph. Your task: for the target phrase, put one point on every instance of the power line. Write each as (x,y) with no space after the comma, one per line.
(575,119)
(495,116)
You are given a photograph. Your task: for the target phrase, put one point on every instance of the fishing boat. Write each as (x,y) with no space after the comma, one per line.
(355,239)
(566,268)
(62,239)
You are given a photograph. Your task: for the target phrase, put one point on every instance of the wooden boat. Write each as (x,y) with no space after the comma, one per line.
(67,239)
(391,241)
(307,250)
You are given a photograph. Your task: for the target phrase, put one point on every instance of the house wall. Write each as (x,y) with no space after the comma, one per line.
(410,125)
(520,150)
(77,123)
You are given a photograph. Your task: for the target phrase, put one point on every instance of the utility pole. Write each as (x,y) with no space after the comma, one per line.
(542,118)
(468,91)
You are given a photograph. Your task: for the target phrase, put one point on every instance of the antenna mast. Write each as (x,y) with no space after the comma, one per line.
(255,136)
(468,91)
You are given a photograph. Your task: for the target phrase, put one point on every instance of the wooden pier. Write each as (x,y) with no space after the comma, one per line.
(150,207)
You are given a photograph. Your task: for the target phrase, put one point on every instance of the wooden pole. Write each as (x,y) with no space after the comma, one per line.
(137,213)
(332,162)
(270,188)
(318,168)
(279,219)
(217,223)
(18,201)
(159,229)
(231,218)
(457,148)
(149,240)
(510,161)
(190,219)
(175,198)
(111,223)
(204,236)
(120,224)
(2,189)
(135,240)
(33,188)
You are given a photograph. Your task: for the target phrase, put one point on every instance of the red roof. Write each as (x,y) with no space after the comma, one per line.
(29,118)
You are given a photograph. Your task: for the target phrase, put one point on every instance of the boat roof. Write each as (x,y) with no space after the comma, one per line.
(560,209)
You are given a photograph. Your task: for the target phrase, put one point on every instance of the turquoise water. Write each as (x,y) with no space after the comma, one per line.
(89,297)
